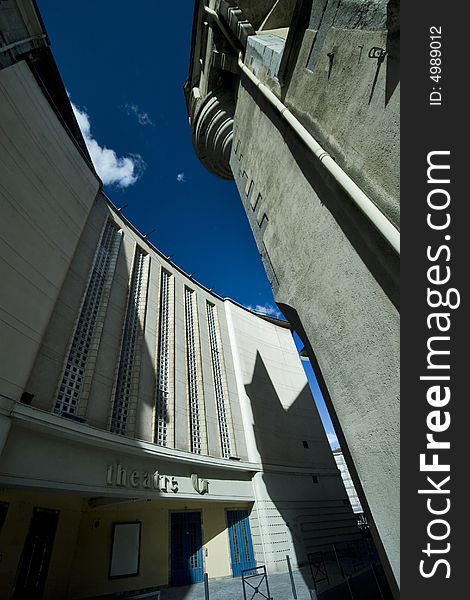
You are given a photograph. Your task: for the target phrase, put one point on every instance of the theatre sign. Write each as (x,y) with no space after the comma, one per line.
(119,476)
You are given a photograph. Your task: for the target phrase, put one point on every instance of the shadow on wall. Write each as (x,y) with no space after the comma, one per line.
(377,255)
(307,15)
(179,548)
(272,422)
(124,373)
(317,512)
(286,437)
(393,48)
(99,305)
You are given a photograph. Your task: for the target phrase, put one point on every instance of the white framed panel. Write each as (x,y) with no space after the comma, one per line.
(125,550)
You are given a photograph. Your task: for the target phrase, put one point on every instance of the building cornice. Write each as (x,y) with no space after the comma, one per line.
(50,424)
(47,423)
(149,247)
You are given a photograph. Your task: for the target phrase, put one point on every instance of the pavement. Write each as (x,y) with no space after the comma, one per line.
(232,589)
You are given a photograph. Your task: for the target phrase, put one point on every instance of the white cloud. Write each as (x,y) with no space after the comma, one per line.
(113,170)
(143,117)
(267,309)
(332,439)
(181,178)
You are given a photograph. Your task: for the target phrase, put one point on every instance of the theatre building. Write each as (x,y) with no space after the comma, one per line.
(150,430)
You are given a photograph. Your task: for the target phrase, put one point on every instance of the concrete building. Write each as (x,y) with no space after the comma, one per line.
(150,430)
(298,102)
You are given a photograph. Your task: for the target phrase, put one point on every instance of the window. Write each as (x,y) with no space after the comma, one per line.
(222,409)
(193,370)
(255,200)
(135,311)
(163,364)
(95,301)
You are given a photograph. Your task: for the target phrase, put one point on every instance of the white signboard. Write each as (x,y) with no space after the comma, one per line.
(125,552)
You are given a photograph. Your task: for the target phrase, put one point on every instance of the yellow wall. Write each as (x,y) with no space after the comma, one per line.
(217,563)
(80,558)
(15,530)
(92,556)
(91,563)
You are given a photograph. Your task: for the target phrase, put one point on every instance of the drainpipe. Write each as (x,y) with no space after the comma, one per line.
(221,26)
(362,201)
(20,42)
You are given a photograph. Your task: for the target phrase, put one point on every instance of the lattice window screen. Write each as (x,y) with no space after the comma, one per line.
(220,396)
(94,303)
(124,396)
(163,364)
(193,371)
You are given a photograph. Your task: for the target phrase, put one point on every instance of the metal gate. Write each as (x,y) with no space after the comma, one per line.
(186,548)
(241,547)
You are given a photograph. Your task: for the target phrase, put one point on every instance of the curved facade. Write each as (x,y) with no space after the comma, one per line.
(137,408)
(152,395)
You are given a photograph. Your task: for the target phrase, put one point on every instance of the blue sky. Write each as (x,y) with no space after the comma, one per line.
(124,65)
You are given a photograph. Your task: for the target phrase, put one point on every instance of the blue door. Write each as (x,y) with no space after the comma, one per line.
(241,547)
(186,548)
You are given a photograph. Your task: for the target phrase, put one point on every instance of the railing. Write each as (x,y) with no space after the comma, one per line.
(343,564)
(253,583)
(318,569)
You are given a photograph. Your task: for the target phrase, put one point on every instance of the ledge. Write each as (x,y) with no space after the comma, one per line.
(50,424)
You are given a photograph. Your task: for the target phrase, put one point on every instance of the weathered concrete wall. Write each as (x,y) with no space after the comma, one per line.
(333,94)
(325,263)
(337,72)
(347,99)
(324,260)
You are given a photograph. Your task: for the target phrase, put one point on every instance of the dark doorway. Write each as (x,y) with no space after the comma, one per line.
(34,562)
(186,548)
(241,547)
(3,513)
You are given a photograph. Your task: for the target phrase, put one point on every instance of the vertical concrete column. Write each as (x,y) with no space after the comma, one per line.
(245,406)
(238,429)
(181,387)
(146,404)
(258,519)
(213,435)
